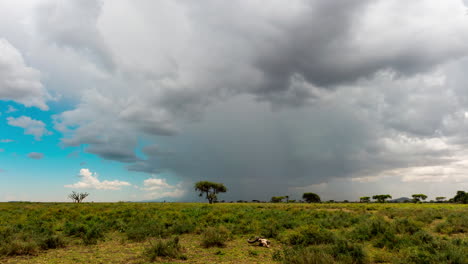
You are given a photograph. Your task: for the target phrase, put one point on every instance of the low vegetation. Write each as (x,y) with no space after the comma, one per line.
(203,233)
(164,248)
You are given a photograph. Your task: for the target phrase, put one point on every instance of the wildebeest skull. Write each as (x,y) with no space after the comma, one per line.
(262,242)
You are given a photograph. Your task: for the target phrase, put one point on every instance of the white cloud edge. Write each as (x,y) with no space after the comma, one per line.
(89,180)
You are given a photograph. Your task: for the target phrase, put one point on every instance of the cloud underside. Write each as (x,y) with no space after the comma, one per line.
(278,96)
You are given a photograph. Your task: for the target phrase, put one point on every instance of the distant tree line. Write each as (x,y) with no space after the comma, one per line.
(211,190)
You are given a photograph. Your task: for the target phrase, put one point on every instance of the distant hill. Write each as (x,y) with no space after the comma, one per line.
(401,200)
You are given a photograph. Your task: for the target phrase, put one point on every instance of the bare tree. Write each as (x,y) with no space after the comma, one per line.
(78,197)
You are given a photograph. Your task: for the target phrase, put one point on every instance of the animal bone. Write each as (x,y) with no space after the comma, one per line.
(262,242)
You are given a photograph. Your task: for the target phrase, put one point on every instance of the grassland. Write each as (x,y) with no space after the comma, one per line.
(201,233)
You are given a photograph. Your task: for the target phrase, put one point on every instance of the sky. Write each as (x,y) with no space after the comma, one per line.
(138,100)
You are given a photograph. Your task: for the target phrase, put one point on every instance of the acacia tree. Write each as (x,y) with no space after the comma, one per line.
(210,189)
(418,197)
(382,197)
(461,197)
(311,197)
(277,199)
(440,199)
(364,199)
(78,197)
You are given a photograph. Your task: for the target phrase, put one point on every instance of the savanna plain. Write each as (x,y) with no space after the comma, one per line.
(218,233)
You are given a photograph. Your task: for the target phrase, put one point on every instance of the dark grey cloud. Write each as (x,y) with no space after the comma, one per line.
(275,96)
(367,95)
(36,155)
(110,152)
(328,43)
(251,147)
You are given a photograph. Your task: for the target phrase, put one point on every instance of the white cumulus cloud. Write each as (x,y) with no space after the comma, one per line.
(89,180)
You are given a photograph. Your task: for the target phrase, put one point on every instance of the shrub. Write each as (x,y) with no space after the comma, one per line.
(304,255)
(339,220)
(169,248)
(387,240)
(348,252)
(370,229)
(182,227)
(52,241)
(19,247)
(93,234)
(140,230)
(405,225)
(455,223)
(308,235)
(215,237)
(90,232)
(270,229)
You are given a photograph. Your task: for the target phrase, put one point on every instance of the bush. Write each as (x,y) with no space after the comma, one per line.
(93,234)
(90,232)
(270,229)
(52,241)
(405,225)
(164,248)
(182,227)
(140,230)
(387,240)
(19,247)
(215,237)
(455,223)
(370,229)
(308,235)
(348,252)
(304,255)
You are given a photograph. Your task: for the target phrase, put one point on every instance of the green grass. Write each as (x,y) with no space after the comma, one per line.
(202,233)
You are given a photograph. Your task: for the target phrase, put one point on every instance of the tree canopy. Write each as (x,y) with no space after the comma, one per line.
(364,199)
(210,189)
(277,199)
(461,197)
(311,197)
(382,197)
(418,197)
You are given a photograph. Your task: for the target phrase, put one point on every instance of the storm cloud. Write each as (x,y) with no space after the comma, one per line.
(267,98)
